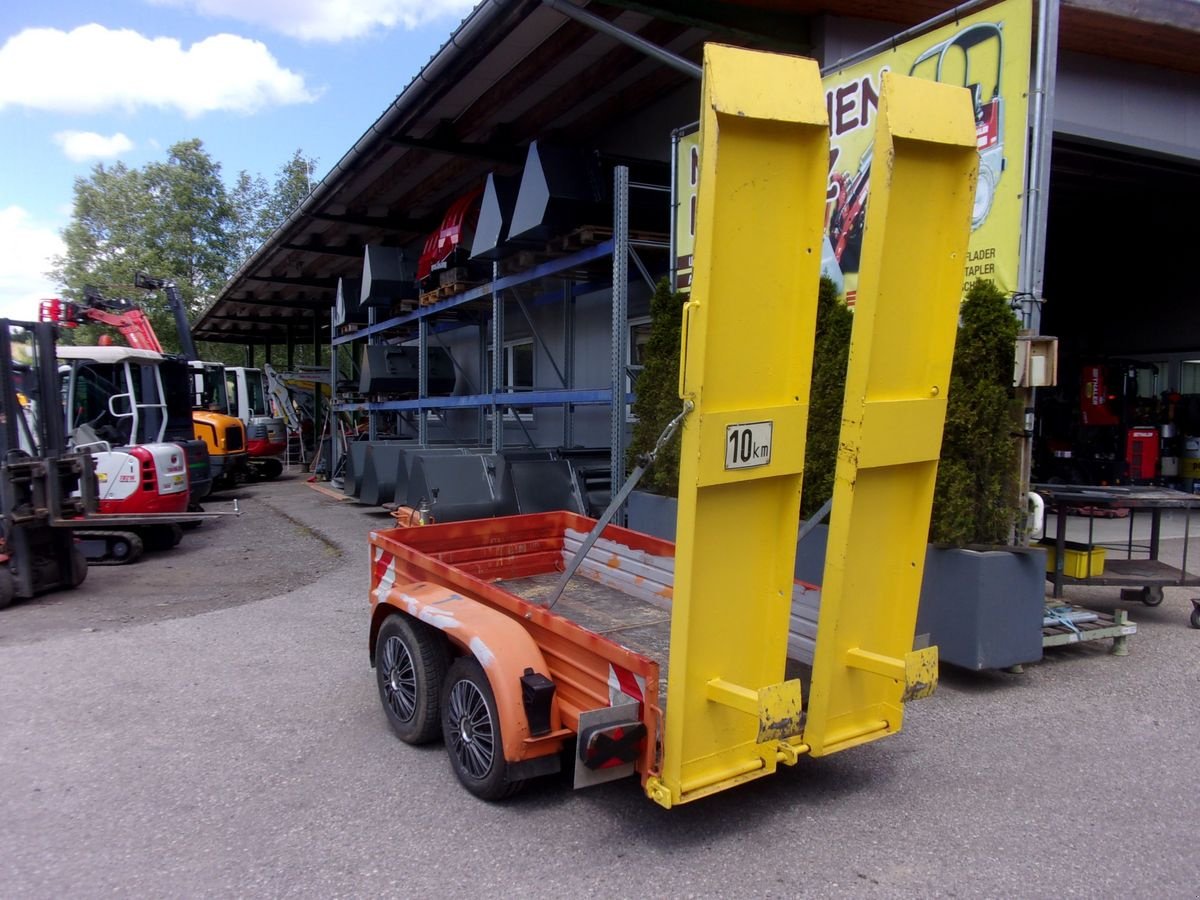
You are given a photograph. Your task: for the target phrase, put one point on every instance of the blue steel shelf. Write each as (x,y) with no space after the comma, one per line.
(585,397)
(544,270)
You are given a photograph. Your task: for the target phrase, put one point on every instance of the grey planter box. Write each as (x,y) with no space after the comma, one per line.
(982,607)
(652,514)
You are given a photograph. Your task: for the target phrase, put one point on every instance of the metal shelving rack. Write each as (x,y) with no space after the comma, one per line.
(619,247)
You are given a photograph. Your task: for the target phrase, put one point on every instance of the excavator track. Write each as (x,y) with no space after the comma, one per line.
(110,548)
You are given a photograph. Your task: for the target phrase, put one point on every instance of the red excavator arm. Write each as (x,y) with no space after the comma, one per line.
(123,315)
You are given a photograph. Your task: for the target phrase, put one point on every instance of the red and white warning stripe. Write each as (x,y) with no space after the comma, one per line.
(383,573)
(624,686)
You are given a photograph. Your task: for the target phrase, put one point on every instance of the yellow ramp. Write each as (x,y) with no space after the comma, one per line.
(747,363)
(910,286)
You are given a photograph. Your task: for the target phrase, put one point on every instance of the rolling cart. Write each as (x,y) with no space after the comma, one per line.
(1140,578)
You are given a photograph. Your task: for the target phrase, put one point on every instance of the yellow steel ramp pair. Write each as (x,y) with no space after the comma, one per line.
(747,359)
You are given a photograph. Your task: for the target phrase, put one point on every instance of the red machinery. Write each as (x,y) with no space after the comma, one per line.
(1141,453)
(450,245)
(123,315)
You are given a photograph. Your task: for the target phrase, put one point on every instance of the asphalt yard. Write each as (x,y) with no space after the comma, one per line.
(205,723)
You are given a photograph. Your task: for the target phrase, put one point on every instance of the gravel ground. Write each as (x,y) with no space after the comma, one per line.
(217,747)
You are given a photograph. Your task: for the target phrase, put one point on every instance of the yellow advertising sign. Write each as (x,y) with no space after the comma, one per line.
(687,180)
(988,53)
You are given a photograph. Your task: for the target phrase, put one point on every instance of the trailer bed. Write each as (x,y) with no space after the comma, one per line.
(633,623)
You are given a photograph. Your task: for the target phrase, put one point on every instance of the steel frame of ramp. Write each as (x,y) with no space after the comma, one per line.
(747,357)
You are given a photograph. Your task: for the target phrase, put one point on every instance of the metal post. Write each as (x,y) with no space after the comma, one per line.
(422,381)
(497,379)
(334,449)
(1042,121)
(481,415)
(620,328)
(673,260)
(1037,200)
(318,413)
(267,354)
(569,358)
(636,41)
(249,356)
(291,349)
(372,416)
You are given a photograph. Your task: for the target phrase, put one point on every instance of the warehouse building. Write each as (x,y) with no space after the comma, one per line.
(529,341)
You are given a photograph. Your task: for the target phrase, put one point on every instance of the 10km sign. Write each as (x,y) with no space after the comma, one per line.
(747,445)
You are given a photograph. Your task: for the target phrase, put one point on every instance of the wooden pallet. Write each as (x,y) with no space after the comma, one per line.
(1104,626)
(590,235)
(447,290)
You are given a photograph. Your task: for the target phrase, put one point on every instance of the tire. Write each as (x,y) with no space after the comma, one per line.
(1195,620)
(1152,595)
(79,567)
(269,469)
(8,587)
(157,538)
(410,665)
(126,547)
(471,729)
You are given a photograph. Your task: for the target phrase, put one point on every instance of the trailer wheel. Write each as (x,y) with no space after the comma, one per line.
(471,727)
(410,665)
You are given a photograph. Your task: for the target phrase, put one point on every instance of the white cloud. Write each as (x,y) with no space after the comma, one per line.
(328,20)
(93,68)
(80,146)
(28,249)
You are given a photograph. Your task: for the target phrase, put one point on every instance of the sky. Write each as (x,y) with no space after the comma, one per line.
(83,83)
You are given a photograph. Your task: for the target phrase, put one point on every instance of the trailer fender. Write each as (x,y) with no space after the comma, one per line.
(499,643)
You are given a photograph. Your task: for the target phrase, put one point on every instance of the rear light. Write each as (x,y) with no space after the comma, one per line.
(606,746)
(146,464)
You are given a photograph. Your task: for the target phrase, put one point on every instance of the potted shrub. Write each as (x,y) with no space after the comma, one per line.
(656,402)
(652,507)
(982,597)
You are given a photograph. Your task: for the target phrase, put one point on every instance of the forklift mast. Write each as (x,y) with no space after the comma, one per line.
(39,477)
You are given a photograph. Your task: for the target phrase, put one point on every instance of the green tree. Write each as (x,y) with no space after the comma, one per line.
(831,353)
(261,207)
(656,401)
(170,219)
(975,500)
(249,196)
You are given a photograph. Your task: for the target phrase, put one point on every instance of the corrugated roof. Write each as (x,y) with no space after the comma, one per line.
(515,70)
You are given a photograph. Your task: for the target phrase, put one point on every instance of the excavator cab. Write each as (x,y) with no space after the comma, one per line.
(177,393)
(225,435)
(116,410)
(266,434)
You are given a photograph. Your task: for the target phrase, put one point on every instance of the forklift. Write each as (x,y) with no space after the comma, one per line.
(41,481)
